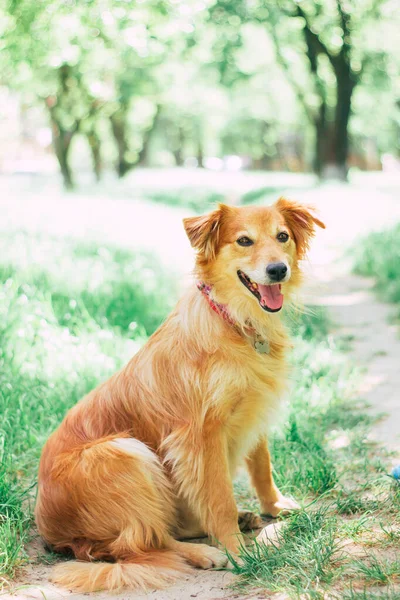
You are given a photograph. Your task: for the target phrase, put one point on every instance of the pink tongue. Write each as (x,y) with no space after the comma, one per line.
(271,296)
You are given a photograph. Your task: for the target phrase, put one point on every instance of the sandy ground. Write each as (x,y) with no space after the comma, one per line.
(349,211)
(202,585)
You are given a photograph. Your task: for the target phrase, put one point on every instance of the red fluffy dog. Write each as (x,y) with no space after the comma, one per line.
(148,457)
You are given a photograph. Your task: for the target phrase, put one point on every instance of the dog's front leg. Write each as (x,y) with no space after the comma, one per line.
(272,501)
(200,469)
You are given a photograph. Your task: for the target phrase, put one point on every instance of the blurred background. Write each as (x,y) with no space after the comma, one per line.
(120,117)
(104,87)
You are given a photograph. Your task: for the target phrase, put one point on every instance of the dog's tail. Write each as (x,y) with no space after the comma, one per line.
(150,570)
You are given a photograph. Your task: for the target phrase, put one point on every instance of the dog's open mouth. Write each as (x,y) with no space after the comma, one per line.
(268,296)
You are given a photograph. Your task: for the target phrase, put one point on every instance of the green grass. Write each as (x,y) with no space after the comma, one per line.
(305,552)
(378,256)
(72,313)
(386,594)
(90,285)
(13,522)
(377,570)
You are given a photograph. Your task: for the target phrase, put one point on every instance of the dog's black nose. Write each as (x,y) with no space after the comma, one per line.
(277,271)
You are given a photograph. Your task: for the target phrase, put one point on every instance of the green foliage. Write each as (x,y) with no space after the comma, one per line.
(327,53)
(378,256)
(150,81)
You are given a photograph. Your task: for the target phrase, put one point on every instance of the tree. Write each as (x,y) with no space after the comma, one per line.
(331,131)
(87,66)
(326,35)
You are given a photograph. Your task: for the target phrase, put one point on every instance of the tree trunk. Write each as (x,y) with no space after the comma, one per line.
(332,137)
(335,153)
(95,148)
(147,137)
(321,134)
(200,155)
(62,144)
(144,151)
(178,157)
(179,146)
(118,125)
(345,87)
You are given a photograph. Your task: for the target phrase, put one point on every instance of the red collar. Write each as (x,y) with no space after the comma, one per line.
(260,345)
(220,309)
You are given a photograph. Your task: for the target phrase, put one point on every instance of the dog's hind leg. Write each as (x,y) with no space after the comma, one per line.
(112,501)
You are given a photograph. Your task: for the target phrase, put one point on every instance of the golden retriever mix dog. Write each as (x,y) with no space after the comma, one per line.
(148,457)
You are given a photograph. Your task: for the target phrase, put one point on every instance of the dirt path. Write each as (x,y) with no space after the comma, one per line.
(375,345)
(352,303)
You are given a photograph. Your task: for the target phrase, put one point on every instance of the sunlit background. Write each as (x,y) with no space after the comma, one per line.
(110,85)
(120,117)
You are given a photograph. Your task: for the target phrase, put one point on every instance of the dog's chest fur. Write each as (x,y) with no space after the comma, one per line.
(253,390)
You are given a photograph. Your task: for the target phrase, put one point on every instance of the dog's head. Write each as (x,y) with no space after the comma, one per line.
(252,252)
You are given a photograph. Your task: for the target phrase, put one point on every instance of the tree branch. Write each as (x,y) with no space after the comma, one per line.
(345,25)
(344,17)
(293,82)
(313,39)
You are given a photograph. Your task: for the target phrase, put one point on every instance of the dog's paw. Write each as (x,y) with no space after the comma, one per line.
(206,557)
(281,506)
(248,520)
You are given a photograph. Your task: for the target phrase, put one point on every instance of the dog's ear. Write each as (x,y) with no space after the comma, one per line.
(204,231)
(301,222)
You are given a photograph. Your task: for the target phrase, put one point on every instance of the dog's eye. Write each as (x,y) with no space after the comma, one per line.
(282,236)
(244,241)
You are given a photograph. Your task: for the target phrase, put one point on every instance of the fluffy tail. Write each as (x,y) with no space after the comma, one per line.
(152,570)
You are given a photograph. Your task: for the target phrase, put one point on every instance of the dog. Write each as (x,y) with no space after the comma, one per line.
(147,459)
